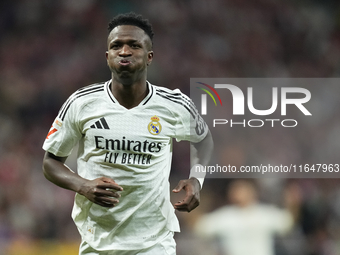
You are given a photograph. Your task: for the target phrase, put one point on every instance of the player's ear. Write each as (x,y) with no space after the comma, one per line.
(150,57)
(107,58)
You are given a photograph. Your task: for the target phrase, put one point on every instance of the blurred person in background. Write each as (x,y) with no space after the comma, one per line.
(247,226)
(125,128)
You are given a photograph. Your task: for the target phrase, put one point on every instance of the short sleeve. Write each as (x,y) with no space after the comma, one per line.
(191,126)
(64,132)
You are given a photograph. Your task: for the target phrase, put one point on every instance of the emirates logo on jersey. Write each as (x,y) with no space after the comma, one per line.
(154,126)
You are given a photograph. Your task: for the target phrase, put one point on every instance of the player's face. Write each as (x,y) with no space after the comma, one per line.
(129,52)
(242,193)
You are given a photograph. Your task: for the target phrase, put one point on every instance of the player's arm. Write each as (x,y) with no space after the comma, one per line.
(102,191)
(200,155)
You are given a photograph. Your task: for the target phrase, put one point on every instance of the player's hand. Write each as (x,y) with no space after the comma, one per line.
(192,194)
(101,191)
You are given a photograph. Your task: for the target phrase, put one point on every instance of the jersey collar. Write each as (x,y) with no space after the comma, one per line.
(143,102)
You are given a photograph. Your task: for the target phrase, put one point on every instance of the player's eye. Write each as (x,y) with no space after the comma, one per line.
(135,46)
(114,46)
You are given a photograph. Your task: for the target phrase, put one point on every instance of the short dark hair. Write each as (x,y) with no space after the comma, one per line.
(133,19)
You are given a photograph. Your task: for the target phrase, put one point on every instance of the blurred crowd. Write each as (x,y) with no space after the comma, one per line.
(48,49)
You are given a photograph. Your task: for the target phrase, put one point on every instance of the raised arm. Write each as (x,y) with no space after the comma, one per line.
(102,191)
(200,155)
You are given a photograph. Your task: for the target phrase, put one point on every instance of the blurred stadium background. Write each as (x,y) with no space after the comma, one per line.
(48,49)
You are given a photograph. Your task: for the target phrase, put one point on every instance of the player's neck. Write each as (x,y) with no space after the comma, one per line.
(129,95)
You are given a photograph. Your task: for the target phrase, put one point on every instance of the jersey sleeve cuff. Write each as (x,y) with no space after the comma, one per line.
(197,171)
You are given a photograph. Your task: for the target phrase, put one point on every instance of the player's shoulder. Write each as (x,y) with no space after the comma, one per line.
(172,96)
(163,91)
(175,100)
(88,92)
(82,97)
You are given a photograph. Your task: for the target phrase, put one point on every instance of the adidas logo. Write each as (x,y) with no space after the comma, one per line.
(101,124)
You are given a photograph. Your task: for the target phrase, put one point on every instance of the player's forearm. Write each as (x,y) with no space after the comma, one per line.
(58,173)
(200,156)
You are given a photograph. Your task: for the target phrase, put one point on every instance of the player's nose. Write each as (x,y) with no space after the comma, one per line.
(125,50)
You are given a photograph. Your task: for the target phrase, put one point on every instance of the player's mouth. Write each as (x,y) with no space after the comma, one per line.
(124,62)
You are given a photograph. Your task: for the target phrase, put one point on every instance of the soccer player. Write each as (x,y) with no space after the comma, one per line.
(247,226)
(125,128)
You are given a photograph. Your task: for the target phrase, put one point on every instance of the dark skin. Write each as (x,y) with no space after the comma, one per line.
(128,55)
(202,154)
(94,190)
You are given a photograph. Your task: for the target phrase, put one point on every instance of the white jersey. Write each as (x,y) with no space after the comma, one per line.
(134,148)
(246,230)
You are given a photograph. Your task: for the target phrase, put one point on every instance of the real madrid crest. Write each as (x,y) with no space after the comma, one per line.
(154,126)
